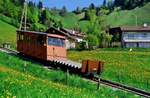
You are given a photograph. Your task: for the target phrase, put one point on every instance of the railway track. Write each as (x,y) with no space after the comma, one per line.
(9,51)
(109,83)
(123,87)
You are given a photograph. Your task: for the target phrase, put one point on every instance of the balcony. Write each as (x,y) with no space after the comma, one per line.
(136,39)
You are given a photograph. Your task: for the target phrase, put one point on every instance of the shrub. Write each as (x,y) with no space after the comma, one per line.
(93,41)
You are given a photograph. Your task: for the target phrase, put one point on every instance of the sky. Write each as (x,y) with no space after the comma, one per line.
(70,4)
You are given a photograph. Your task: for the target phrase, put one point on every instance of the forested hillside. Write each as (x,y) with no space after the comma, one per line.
(92,20)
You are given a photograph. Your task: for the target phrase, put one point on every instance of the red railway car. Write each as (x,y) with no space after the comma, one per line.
(92,67)
(51,47)
(41,45)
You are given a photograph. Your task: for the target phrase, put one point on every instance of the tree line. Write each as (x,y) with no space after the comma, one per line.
(98,24)
(38,17)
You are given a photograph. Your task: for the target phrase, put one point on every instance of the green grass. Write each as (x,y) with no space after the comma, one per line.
(70,20)
(130,68)
(9,20)
(7,33)
(128,17)
(35,81)
(84,25)
(23,85)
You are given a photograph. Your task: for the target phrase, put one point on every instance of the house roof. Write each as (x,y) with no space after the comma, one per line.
(135,28)
(53,30)
(41,33)
(129,29)
(73,33)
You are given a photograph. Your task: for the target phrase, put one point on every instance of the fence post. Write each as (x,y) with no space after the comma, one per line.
(98,84)
(25,65)
(67,76)
(147,82)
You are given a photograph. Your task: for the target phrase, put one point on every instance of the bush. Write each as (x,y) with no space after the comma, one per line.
(105,39)
(93,41)
(82,45)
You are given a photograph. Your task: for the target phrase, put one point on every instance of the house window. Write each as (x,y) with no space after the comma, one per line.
(144,45)
(131,45)
(144,35)
(131,36)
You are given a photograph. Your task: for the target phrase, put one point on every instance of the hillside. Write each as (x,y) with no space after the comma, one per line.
(35,81)
(130,68)
(7,33)
(128,17)
(71,20)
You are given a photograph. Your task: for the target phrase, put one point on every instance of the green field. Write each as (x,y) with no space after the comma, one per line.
(130,68)
(69,20)
(24,79)
(7,33)
(128,17)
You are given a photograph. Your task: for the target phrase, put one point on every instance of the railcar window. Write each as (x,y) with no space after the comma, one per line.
(56,42)
(50,41)
(25,37)
(40,40)
(21,37)
(18,37)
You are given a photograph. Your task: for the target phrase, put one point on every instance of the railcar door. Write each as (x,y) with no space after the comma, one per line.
(59,48)
(50,49)
(56,48)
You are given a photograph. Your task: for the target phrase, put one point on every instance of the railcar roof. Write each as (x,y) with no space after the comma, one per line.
(42,33)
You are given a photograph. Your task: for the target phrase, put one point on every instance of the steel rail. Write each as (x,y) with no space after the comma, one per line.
(123,87)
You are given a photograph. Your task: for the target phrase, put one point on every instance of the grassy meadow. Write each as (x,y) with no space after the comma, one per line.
(130,68)
(23,79)
(7,33)
(128,17)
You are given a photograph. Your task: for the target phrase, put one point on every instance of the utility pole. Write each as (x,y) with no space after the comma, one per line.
(136,19)
(23,23)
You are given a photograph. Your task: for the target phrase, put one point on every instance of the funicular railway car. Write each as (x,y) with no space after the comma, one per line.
(41,45)
(50,48)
